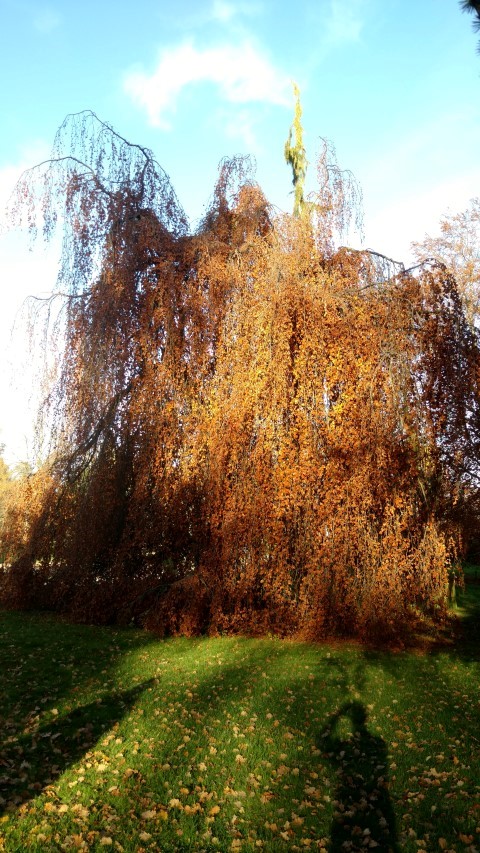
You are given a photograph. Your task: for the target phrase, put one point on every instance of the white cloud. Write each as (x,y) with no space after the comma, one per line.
(46,20)
(242,127)
(223,11)
(241,73)
(22,273)
(345,21)
(412,178)
(392,229)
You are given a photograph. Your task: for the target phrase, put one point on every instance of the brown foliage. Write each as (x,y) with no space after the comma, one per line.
(252,430)
(457,247)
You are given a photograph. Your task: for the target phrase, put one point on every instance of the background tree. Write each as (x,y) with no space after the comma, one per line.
(14,485)
(5,478)
(458,247)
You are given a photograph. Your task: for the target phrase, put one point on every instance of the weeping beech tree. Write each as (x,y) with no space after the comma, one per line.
(252,428)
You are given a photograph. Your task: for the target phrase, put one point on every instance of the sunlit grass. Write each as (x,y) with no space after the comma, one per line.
(117,739)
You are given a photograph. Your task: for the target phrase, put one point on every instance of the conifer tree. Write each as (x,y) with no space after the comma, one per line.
(295,155)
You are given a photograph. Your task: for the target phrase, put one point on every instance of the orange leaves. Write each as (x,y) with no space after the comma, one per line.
(254,432)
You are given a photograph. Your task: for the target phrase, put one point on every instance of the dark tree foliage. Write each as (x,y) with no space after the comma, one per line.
(473,7)
(252,428)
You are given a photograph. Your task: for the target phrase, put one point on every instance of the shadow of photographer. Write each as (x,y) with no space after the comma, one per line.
(364,817)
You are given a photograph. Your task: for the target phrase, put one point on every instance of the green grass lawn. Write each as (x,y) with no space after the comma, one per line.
(115,739)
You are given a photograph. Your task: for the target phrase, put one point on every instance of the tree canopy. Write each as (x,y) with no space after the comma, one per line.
(252,427)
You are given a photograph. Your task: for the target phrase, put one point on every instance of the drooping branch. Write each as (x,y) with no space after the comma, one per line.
(76,462)
(95,185)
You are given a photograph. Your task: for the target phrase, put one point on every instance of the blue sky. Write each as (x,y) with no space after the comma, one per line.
(395,85)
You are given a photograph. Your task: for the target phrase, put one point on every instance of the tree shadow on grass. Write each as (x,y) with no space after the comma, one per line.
(364,817)
(36,759)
